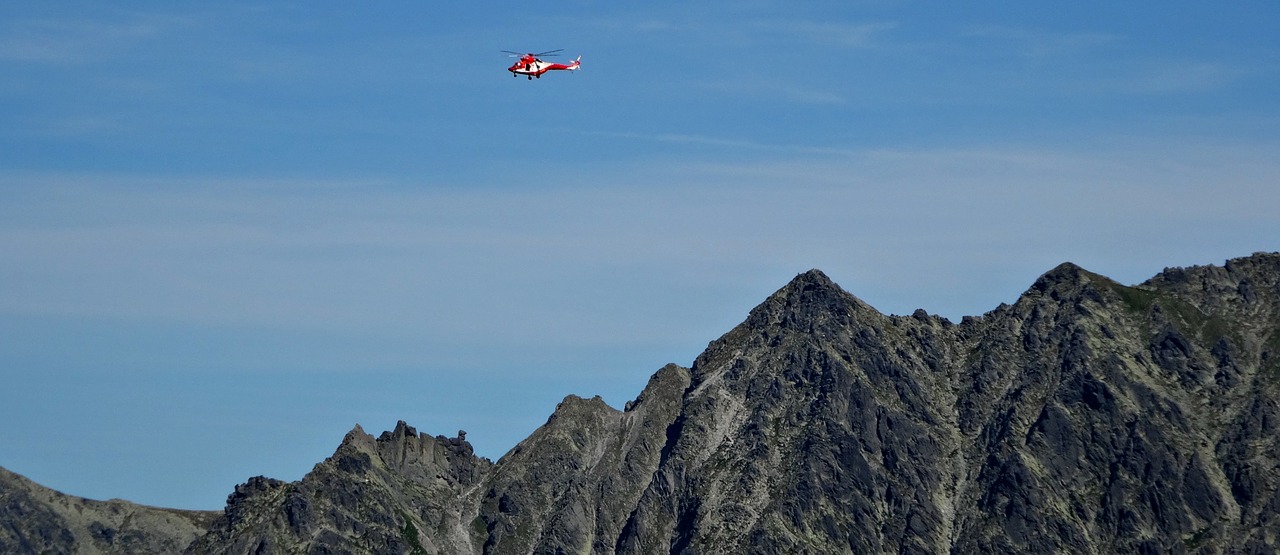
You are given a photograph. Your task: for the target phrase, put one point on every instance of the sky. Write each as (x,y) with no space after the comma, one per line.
(231,231)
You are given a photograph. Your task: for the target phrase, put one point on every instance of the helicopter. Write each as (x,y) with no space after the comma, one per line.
(530,65)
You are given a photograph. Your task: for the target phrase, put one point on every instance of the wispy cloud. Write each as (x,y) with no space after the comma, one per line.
(1109,63)
(848,35)
(769,86)
(1168,77)
(726,142)
(1040,43)
(77,127)
(73,41)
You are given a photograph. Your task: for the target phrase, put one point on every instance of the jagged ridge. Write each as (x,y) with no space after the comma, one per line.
(35,519)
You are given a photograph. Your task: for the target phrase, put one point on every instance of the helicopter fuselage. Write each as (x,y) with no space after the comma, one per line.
(530,66)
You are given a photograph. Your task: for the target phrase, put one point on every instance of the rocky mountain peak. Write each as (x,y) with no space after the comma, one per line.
(807,294)
(811,280)
(357,438)
(402,431)
(811,301)
(1064,273)
(809,308)
(1065,281)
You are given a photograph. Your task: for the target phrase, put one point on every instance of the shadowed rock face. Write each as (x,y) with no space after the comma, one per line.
(1087,417)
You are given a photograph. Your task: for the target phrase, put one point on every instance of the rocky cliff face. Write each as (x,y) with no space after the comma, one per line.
(1087,417)
(398,493)
(35,519)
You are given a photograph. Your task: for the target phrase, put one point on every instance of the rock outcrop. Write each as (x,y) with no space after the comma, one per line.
(35,519)
(395,494)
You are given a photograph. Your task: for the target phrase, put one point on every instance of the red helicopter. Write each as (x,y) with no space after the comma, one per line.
(531,66)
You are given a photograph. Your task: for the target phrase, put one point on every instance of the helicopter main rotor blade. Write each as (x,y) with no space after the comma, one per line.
(548,54)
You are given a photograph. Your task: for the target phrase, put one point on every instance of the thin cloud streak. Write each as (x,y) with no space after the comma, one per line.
(76,42)
(1182,77)
(704,140)
(843,35)
(1041,44)
(300,257)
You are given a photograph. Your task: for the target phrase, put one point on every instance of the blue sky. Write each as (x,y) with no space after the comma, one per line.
(229,232)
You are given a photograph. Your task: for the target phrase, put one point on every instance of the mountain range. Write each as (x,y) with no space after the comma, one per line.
(1086,417)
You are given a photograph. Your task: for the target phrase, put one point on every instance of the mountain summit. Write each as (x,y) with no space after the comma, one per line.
(1086,417)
